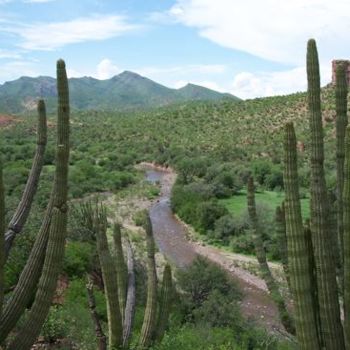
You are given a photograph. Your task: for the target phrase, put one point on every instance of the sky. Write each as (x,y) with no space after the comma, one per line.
(250,48)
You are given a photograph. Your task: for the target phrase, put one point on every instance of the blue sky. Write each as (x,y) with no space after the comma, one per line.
(249,48)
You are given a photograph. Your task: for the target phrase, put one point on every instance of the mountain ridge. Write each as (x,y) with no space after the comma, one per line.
(125,91)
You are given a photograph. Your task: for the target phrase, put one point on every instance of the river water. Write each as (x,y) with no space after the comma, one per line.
(170,234)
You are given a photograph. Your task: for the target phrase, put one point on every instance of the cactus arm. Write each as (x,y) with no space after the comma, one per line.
(110,280)
(47,284)
(151,305)
(121,267)
(164,304)
(131,296)
(341,92)
(30,275)
(285,317)
(2,239)
(101,338)
(298,250)
(347,241)
(21,214)
(58,227)
(321,234)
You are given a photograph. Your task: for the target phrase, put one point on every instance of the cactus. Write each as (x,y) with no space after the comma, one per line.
(40,273)
(149,320)
(154,325)
(347,241)
(121,268)
(285,317)
(164,304)
(21,214)
(331,327)
(130,297)
(109,273)
(298,250)
(2,239)
(341,92)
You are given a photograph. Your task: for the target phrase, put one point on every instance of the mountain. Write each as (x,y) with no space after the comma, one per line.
(125,91)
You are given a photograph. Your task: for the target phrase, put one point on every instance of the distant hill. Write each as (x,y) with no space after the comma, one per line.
(125,91)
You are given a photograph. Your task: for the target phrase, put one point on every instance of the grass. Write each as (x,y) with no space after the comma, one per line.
(237,204)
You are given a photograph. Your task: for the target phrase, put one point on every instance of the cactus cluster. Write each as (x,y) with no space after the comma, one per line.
(119,284)
(37,282)
(311,253)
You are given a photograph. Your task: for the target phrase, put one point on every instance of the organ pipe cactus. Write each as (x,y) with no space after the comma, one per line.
(285,317)
(39,276)
(331,327)
(298,251)
(21,214)
(164,304)
(347,241)
(341,92)
(154,325)
(149,320)
(109,273)
(121,268)
(2,240)
(311,253)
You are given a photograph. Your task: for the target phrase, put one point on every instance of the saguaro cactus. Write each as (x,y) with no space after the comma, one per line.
(341,92)
(109,273)
(2,240)
(347,241)
(21,214)
(298,252)
(149,320)
(121,268)
(39,276)
(164,304)
(331,327)
(154,325)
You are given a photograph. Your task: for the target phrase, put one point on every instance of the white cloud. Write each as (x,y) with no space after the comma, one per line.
(250,85)
(16,69)
(106,69)
(50,36)
(272,29)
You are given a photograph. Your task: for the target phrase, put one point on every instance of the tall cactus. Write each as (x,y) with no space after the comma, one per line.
(21,214)
(347,241)
(2,240)
(109,273)
(331,326)
(149,320)
(341,92)
(39,276)
(164,303)
(154,325)
(285,317)
(298,250)
(130,296)
(121,268)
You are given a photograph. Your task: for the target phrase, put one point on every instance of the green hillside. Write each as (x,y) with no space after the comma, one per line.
(125,91)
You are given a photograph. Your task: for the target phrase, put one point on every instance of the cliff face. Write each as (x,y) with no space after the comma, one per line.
(334,66)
